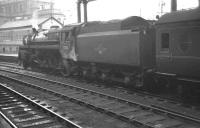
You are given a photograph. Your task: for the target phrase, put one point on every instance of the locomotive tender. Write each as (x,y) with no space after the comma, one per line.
(133,51)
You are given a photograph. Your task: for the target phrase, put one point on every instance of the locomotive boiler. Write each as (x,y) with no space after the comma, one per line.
(40,50)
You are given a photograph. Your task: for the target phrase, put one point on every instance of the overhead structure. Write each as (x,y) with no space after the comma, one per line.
(84,2)
(79,11)
(174,5)
(199,3)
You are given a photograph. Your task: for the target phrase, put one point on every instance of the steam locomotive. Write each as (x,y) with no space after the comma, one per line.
(153,56)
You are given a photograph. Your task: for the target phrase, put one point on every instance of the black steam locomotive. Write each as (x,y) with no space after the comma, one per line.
(162,55)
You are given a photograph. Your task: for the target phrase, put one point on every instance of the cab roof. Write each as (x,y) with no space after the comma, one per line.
(180,16)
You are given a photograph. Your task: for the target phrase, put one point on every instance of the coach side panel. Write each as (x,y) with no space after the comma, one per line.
(178,50)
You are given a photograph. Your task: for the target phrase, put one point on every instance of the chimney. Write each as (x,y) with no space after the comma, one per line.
(85,2)
(174,5)
(79,11)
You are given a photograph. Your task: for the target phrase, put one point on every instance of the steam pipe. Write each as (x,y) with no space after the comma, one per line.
(174,5)
(79,11)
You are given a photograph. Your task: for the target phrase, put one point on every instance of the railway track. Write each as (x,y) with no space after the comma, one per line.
(69,108)
(138,114)
(22,112)
(162,102)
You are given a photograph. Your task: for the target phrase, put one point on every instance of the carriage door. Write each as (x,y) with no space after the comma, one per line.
(67,47)
(164,53)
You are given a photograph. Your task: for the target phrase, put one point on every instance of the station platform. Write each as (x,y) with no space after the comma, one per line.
(4,54)
(13,58)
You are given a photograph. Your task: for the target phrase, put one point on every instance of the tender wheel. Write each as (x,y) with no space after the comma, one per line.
(103,77)
(151,83)
(24,64)
(64,73)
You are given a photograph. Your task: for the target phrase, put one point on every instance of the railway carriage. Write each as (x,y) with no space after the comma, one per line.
(177,48)
(178,43)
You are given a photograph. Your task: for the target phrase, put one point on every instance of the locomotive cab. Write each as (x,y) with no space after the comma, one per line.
(67,44)
(67,48)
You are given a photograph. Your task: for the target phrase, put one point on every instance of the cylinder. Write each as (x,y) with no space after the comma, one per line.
(174,5)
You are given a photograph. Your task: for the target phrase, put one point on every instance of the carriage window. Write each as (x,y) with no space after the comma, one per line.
(165,41)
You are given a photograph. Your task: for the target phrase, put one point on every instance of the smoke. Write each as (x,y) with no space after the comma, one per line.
(34,20)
